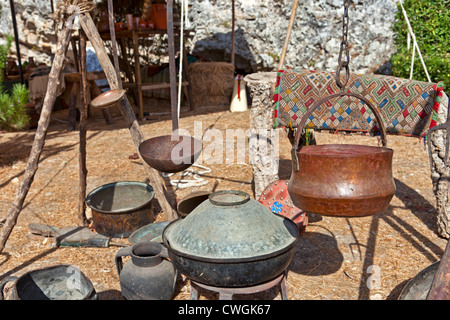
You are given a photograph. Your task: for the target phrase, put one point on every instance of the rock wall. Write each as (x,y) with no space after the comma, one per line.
(261,27)
(35,28)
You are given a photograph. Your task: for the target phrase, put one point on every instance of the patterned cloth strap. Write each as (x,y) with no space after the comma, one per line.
(408,107)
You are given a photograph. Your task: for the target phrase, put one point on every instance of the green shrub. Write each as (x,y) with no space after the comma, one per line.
(430,22)
(4,51)
(13,115)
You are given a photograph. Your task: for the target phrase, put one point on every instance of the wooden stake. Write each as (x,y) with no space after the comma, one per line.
(288,35)
(137,72)
(138,137)
(232,30)
(172,66)
(39,138)
(82,171)
(112,32)
(73,106)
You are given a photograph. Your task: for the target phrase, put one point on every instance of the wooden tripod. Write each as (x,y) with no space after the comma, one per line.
(90,31)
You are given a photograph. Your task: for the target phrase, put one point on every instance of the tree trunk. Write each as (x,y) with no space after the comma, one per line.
(263,138)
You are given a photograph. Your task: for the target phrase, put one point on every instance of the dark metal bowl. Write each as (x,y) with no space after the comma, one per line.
(150,232)
(191,201)
(166,155)
(60,282)
(236,272)
(419,286)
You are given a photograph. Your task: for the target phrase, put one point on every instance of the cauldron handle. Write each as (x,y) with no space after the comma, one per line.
(295,146)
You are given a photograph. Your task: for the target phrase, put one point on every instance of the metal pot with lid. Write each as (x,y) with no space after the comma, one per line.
(231,240)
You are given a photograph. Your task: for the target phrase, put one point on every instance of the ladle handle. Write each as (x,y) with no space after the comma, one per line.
(295,147)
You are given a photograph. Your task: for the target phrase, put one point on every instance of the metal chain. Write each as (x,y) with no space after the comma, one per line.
(344,47)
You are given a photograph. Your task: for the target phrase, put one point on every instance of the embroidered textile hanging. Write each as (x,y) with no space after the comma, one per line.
(407,107)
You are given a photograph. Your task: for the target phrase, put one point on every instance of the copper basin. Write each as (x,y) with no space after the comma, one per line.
(170,155)
(343,180)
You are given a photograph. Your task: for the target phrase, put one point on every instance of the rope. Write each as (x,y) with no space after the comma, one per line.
(66,8)
(184,183)
(415,45)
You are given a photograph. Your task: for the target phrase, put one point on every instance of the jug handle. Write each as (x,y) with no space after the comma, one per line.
(123,252)
(4,282)
(295,146)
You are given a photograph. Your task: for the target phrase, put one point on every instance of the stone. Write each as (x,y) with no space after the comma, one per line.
(261,28)
(32,39)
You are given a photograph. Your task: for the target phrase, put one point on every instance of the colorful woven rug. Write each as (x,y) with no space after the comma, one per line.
(407,107)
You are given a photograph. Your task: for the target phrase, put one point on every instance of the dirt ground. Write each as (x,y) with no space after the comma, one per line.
(335,258)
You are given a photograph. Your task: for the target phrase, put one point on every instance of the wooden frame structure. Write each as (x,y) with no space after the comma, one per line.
(89,32)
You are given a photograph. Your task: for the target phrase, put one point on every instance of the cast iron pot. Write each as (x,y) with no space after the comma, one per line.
(251,246)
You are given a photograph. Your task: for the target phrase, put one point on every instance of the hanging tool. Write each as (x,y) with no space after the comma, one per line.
(71,236)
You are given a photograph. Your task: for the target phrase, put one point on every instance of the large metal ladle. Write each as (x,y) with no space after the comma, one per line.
(171,153)
(168,153)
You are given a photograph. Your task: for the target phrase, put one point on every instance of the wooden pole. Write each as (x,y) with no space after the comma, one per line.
(137,71)
(232,32)
(91,32)
(288,35)
(16,38)
(138,137)
(172,66)
(72,118)
(112,32)
(82,172)
(39,138)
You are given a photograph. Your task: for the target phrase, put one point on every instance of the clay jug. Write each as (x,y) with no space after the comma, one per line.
(148,275)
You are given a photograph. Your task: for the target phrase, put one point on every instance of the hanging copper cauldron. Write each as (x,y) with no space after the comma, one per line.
(338,179)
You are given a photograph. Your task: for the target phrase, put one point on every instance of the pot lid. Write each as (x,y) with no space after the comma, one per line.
(230,225)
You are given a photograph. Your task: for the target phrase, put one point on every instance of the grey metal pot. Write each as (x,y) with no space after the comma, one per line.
(419,286)
(231,240)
